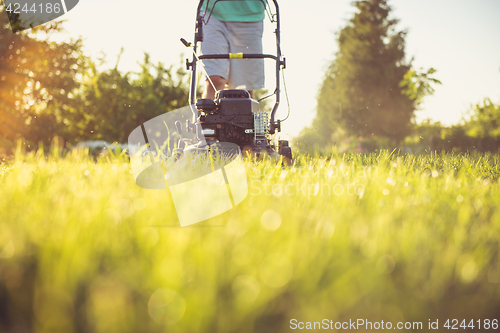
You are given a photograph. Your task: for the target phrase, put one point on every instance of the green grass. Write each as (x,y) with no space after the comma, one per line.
(378,236)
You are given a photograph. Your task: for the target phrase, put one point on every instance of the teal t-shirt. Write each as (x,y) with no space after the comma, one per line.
(237,10)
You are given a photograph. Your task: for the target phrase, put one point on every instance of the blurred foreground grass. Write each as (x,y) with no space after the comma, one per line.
(379,237)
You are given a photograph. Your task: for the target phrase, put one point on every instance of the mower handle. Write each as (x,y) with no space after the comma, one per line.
(238,56)
(198,37)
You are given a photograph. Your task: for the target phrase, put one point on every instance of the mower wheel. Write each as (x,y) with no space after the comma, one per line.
(286,152)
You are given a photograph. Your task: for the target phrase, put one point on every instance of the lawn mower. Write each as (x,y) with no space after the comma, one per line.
(233,116)
(196,151)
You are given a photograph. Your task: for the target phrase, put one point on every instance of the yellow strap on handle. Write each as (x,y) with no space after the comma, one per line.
(235,55)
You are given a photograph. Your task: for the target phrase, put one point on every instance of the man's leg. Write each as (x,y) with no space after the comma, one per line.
(246,37)
(215,42)
(219,83)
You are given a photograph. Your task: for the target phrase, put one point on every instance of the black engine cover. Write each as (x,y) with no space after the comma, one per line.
(230,118)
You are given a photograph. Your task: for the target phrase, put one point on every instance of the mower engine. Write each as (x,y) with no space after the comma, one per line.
(234,117)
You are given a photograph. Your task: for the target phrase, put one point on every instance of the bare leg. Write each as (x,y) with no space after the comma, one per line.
(219,83)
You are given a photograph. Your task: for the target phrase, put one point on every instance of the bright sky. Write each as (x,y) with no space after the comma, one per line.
(459,38)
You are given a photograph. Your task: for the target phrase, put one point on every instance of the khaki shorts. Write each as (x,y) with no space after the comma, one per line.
(234,37)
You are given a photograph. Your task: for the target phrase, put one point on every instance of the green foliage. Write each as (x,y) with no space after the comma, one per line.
(418,85)
(364,78)
(479,131)
(374,236)
(484,120)
(433,136)
(36,76)
(110,104)
(50,89)
(309,140)
(361,92)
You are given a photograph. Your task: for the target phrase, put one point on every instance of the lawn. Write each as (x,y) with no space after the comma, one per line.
(377,237)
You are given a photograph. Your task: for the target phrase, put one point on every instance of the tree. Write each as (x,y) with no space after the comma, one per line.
(110,104)
(484,120)
(36,76)
(418,84)
(50,89)
(361,92)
